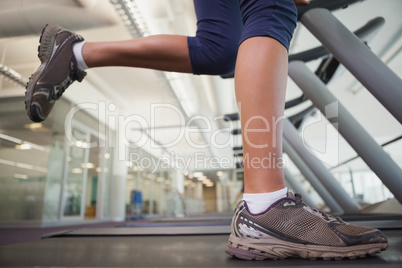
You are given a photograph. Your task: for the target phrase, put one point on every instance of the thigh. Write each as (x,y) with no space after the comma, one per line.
(218,16)
(273,18)
(219,25)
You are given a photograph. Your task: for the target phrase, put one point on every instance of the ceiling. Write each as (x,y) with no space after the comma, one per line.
(152,115)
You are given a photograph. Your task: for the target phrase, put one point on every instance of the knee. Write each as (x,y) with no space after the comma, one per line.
(225,60)
(212,58)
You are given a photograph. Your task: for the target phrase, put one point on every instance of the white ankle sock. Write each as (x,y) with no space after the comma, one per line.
(77,51)
(257,203)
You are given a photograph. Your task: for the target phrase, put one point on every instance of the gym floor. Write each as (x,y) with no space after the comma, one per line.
(199,243)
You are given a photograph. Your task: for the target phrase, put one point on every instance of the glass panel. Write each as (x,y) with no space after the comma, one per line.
(54,178)
(24,151)
(94,172)
(361,183)
(73,191)
(41,175)
(106,166)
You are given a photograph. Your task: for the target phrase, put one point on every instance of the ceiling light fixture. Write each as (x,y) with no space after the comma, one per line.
(22,165)
(131,17)
(33,126)
(77,171)
(9,138)
(21,176)
(23,146)
(13,75)
(198,174)
(88,165)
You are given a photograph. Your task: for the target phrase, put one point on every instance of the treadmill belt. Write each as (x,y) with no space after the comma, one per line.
(143,231)
(165,251)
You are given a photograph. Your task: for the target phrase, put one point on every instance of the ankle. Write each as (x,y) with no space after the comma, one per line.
(77,51)
(259,202)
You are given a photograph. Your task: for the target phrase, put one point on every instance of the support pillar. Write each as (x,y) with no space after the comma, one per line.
(118,187)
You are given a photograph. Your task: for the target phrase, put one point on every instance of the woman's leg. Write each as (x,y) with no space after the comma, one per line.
(65,56)
(161,52)
(279,227)
(260,82)
(212,51)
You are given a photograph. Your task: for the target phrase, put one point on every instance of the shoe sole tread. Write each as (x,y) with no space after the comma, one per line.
(262,249)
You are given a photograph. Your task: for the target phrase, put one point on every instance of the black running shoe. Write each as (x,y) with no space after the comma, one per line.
(57,71)
(289,228)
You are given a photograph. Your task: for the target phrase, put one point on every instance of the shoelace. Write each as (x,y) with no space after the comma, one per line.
(327,217)
(56,94)
(59,90)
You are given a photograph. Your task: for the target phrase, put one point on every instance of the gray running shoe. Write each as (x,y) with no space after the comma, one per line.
(57,71)
(289,228)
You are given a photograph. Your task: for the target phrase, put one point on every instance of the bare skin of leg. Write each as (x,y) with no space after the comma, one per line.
(260,83)
(160,52)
